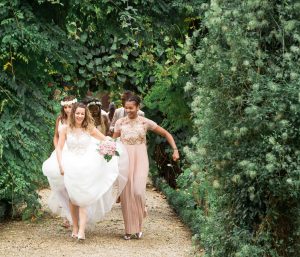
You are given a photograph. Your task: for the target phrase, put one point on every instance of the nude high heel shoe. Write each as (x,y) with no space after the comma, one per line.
(139,235)
(81,237)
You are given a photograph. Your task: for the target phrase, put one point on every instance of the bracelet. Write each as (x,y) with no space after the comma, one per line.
(175,149)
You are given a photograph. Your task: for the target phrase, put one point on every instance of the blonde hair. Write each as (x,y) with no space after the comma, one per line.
(87,123)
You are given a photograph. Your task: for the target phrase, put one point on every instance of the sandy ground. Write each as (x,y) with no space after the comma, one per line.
(164,235)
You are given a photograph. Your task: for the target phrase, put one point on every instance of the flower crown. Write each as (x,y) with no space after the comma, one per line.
(63,103)
(94,103)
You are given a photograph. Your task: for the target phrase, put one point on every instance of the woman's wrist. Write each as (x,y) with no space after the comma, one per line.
(175,149)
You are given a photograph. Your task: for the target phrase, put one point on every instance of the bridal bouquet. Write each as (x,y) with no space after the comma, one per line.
(108,149)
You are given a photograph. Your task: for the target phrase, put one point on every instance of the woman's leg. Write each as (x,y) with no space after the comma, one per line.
(82,222)
(75,216)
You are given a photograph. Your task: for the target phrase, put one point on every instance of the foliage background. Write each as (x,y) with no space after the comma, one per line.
(222,76)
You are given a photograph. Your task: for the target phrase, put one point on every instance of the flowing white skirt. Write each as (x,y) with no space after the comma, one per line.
(90,181)
(58,200)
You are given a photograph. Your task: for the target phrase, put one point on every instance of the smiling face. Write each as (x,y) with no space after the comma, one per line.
(79,115)
(131,109)
(67,109)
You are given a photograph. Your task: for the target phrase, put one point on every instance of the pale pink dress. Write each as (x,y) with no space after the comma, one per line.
(133,136)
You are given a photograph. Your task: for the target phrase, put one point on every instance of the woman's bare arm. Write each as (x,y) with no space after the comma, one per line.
(59,147)
(116,134)
(161,131)
(56,135)
(97,134)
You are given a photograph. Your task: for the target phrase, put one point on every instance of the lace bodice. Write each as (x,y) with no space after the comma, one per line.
(133,131)
(78,142)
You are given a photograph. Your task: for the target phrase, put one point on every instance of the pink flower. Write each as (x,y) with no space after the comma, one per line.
(108,149)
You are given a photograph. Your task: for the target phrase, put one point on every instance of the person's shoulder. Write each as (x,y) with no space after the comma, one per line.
(119,123)
(143,118)
(103,112)
(58,119)
(121,120)
(64,128)
(119,112)
(141,113)
(104,116)
(119,109)
(147,121)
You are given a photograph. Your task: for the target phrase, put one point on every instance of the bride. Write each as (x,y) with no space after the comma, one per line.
(92,182)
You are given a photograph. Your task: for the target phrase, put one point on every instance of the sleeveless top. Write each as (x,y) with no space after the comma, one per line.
(78,142)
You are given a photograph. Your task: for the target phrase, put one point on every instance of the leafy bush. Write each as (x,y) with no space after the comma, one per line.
(246,116)
(220,75)
(31,50)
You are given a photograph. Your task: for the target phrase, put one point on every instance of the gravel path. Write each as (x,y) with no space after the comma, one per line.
(164,235)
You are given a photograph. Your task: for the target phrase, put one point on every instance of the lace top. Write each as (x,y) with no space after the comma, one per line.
(78,142)
(133,131)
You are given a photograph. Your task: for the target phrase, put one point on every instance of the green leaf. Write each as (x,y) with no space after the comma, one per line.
(81,71)
(67,78)
(114,46)
(82,61)
(98,61)
(83,37)
(117,64)
(80,83)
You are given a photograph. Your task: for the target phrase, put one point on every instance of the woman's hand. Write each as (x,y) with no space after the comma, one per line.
(59,147)
(175,155)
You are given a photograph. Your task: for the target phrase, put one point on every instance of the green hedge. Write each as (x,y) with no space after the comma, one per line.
(246,112)
(32,49)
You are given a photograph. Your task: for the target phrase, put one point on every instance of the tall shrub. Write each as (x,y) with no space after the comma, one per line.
(31,49)
(246,114)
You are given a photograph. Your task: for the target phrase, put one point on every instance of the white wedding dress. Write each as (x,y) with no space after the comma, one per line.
(58,200)
(90,180)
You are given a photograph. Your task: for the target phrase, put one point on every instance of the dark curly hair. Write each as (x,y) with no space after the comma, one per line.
(134,98)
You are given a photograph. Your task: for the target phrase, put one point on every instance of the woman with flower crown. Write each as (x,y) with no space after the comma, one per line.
(92,182)
(99,116)
(59,200)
